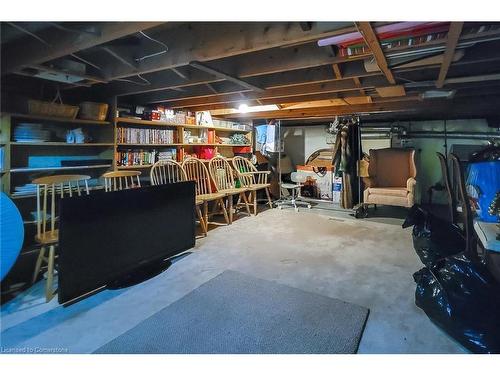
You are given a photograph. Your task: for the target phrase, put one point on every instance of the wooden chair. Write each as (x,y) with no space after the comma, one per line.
(120,180)
(222,175)
(196,171)
(252,179)
(53,188)
(452,204)
(170,172)
(470,243)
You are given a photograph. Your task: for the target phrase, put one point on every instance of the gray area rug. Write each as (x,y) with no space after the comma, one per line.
(236,313)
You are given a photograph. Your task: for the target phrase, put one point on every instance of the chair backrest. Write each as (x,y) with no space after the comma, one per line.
(242,165)
(56,187)
(392,167)
(466,209)
(221,173)
(196,171)
(120,180)
(447,184)
(167,172)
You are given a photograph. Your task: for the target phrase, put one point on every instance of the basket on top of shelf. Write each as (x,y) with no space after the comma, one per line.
(93,111)
(52,109)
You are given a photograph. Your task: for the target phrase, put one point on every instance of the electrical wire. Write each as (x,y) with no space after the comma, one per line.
(139,59)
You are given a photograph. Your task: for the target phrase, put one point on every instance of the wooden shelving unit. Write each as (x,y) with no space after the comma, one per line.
(17,167)
(181,147)
(64,144)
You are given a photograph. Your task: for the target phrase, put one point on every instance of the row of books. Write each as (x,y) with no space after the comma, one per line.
(143,157)
(145,136)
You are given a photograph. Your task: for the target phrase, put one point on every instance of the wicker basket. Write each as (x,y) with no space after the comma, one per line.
(51,109)
(93,111)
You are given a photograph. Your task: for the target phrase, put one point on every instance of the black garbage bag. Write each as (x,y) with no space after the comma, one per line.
(461,297)
(433,237)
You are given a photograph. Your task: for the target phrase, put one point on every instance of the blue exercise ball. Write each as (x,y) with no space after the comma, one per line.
(11,234)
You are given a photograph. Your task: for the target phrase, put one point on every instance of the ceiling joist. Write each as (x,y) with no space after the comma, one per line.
(366,30)
(451,44)
(61,44)
(222,75)
(208,41)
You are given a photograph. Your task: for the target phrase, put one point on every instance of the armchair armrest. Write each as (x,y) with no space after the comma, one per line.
(410,185)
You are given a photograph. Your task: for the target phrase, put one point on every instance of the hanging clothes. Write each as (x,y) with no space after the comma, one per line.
(345,151)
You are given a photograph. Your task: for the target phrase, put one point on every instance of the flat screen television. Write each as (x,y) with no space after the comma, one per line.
(106,236)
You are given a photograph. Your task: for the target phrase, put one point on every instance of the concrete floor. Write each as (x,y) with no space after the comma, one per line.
(366,262)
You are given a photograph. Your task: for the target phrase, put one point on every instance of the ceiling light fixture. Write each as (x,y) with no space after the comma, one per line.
(243,108)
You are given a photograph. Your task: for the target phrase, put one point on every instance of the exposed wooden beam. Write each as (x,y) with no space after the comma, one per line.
(465,106)
(120,58)
(180,74)
(366,30)
(357,82)
(211,88)
(280,60)
(209,41)
(217,73)
(336,71)
(59,44)
(331,110)
(298,90)
(451,43)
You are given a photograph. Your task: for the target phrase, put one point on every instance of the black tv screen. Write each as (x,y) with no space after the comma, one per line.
(107,235)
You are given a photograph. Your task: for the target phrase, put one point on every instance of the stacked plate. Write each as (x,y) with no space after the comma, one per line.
(22,190)
(27,132)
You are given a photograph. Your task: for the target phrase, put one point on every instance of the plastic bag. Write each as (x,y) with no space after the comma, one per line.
(433,238)
(461,297)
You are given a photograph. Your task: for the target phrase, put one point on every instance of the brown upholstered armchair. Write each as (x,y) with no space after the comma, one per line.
(391,178)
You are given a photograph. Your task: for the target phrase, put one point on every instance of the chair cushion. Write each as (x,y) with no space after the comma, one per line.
(391,191)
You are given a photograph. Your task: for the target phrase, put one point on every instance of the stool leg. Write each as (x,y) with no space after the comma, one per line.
(224,211)
(205,213)
(38,264)
(269,198)
(49,293)
(202,221)
(245,199)
(255,202)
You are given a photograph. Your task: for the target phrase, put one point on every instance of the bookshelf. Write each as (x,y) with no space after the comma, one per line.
(25,160)
(177,140)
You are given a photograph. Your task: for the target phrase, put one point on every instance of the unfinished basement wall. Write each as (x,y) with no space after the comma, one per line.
(302,141)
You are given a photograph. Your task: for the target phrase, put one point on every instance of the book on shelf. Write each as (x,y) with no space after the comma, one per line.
(128,158)
(145,136)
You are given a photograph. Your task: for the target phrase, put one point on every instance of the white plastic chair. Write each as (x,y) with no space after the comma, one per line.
(294,187)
